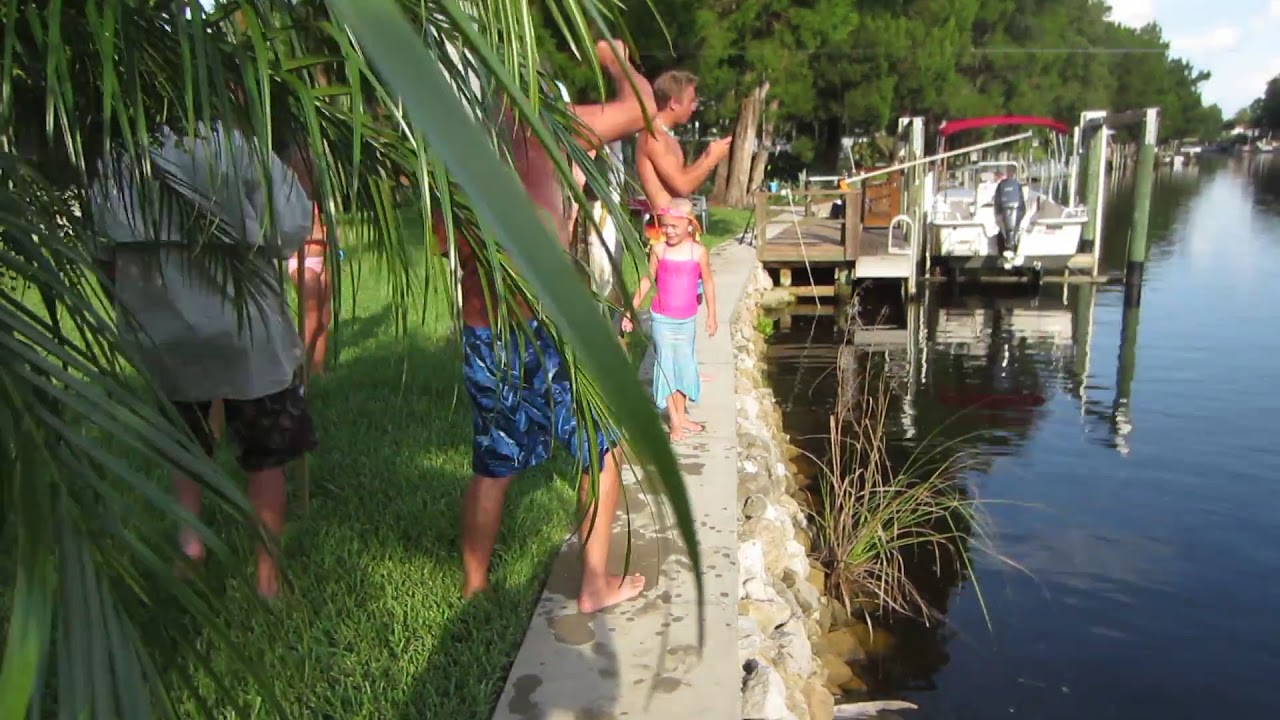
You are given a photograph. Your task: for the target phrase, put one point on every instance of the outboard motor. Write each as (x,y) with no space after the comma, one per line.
(1010,210)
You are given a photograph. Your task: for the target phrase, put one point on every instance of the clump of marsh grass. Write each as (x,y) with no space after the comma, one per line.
(876,525)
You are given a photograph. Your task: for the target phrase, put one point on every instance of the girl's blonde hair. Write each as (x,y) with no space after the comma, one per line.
(683,207)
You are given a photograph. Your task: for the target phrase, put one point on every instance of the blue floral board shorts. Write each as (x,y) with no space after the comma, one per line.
(521,399)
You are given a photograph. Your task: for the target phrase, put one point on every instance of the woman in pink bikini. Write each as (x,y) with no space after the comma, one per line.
(677,266)
(310,275)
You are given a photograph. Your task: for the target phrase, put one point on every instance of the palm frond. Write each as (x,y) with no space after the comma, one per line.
(84,434)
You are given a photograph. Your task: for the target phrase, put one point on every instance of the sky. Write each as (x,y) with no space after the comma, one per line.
(1238,41)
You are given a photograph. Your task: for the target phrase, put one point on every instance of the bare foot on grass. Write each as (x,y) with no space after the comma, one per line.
(471,589)
(192,555)
(615,590)
(268,578)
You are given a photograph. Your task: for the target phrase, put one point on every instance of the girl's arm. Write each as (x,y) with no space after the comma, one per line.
(646,284)
(708,289)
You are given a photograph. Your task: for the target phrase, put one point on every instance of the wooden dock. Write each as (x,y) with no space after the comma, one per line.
(857,242)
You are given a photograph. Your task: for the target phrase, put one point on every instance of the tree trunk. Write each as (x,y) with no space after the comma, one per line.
(720,188)
(744,138)
(768,122)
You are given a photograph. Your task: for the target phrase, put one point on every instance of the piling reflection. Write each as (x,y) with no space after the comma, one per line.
(1262,172)
(974,374)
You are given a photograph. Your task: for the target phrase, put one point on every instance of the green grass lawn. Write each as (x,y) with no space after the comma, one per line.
(724,224)
(372,625)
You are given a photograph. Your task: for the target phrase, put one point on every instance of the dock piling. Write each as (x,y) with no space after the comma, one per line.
(1145,178)
(1093,134)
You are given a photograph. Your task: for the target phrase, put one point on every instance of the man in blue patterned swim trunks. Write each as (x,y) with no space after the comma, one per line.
(519,388)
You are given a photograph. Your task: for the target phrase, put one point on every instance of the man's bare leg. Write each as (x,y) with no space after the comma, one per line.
(267,495)
(481,519)
(600,589)
(188,494)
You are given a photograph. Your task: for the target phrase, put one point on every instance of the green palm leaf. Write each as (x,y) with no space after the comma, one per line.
(83,435)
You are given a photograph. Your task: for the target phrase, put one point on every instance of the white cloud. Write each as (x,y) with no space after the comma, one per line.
(1274,9)
(1135,13)
(1223,37)
(1233,91)
(1258,79)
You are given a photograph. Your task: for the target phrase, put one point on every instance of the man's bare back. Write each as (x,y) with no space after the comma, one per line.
(622,117)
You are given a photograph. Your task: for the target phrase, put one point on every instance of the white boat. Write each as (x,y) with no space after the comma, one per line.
(994,220)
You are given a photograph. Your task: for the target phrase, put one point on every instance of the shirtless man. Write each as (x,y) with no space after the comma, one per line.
(511,383)
(659,157)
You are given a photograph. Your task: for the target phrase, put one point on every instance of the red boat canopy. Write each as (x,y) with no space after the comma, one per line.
(949,127)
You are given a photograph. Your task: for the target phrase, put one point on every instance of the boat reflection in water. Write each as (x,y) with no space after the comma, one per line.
(973,376)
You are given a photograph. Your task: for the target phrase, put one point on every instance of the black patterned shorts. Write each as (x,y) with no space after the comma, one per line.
(269,431)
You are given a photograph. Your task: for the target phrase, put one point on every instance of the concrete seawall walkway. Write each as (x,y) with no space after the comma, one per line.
(640,659)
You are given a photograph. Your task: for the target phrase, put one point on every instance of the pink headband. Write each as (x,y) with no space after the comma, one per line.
(669,212)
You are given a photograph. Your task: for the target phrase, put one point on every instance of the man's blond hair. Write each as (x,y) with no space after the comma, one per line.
(671,85)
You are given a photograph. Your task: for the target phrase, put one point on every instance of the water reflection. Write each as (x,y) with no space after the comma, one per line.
(1131,452)
(1263,175)
(973,370)
(975,375)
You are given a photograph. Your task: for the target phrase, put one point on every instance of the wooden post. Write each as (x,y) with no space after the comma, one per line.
(762,220)
(852,225)
(1134,268)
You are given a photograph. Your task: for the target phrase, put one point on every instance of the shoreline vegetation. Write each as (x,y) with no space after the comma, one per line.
(827,555)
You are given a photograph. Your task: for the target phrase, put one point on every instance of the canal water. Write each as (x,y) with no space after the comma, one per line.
(1133,477)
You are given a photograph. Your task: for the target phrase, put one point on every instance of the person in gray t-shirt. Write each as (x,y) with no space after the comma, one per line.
(188,331)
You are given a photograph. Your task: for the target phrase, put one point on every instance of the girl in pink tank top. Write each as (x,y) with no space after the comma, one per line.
(679,268)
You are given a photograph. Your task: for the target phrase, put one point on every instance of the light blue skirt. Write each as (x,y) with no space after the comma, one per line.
(675,368)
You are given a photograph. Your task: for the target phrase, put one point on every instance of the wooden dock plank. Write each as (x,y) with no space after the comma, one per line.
(799,253)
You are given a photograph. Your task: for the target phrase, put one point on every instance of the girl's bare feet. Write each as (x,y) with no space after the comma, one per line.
(615,589)
(693,427)
(676,435)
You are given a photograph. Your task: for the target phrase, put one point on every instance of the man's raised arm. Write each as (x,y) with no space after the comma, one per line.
(623,116)
(680,180)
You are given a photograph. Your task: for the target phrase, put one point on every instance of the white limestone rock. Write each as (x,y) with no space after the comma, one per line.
(755,506)
(768,614)
(797,568)
(807,597)
(753,579)
(794,655)
(751,641)
(764,694)
(773,537)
